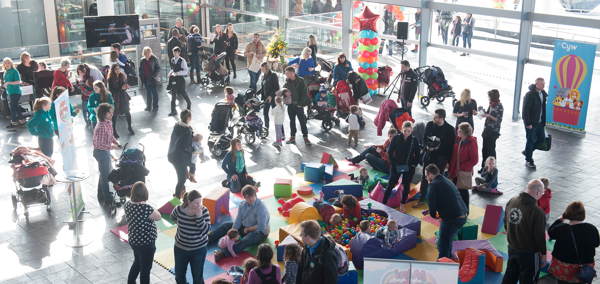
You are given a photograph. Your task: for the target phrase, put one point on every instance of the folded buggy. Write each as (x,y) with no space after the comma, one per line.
(344,100)
(215,70)
(221,128)
(437,86)
(33,172)
(251,123)
(130,168)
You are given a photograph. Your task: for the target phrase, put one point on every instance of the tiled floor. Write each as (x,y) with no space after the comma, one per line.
(33,250)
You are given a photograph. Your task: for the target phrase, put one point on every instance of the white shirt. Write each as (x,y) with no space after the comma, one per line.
(184,67)
(353,122)
(278,114)
(541,104)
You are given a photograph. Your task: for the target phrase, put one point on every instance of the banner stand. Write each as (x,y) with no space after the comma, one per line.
(565,129)
(73,178)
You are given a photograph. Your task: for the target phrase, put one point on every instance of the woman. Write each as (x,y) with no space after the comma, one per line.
(103,142)
(234,166)
(85,71)
(312,44)
(491,130)
(193,225)
(269,85)
(456,30)
(359,86)
(99,96)
(404,154)
(576,243)
(117,84)
(26,68)
(465,109)
(219,40)
(298,9)
(341,69)
(150,73)
(231,40)
(56,92)
(180,150)
(12,82)
(142,233)
(114,60)
(62,75)
(465,154)
(306,65)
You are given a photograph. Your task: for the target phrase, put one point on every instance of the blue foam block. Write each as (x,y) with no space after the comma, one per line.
(348,186)
(281,247)
(314,172)
(328,173)
(351,277)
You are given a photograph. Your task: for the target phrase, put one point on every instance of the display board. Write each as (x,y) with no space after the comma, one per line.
(106,30)
(393,271)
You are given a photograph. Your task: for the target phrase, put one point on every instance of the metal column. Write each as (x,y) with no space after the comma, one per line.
(347,18)
(284,8)
(523,53)
(426,16)
(106,8)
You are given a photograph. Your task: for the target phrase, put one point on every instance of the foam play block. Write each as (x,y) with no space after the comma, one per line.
(286,206)
(349,187)
(468,231)
(472,270)
(281,247)
(313,172)
(493,219)
(351,277)
(395,198)
(217,202)
(169,206)
(364,245)
(303,211)
(403,220)
(282,187)
(493,259)
(437,236)
(328,172)
(328,159)
(305,190)
(290,230)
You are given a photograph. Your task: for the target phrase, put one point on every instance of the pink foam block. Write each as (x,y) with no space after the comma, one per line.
(169,206)
(493,219)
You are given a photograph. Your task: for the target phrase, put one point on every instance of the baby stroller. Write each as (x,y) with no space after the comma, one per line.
(437,86)
(215,70)
(399,116)
(241,100)
(221,129)
(32,174)
(130,168)
(322,110)
(325,66)
(251,123)
(344,100)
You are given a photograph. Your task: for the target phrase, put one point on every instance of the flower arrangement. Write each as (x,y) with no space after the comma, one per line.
(277,46)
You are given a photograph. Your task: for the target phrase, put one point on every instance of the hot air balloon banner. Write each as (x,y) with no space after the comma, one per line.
(392,271)
(570,83)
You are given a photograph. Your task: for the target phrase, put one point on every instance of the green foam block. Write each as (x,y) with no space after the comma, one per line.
(468,231)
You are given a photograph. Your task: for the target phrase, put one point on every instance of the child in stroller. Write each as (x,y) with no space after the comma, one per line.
(216,72)
(251,123)
(324,111)
(131,168)
(241,100)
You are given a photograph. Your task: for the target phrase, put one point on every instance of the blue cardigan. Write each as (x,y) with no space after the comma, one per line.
(229,166)
(303,66)
(340,72)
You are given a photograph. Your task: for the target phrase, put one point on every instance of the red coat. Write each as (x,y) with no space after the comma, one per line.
(60,79)
(469,156)
(355,212)
(383,152)
(385,109)
(544,201)
(326,212)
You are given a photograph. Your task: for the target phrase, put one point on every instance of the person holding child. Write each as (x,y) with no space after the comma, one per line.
(180,150)
(100,95)
(197,151)
(376,155)
(179,69)
(354,122)
(234,166)
(291,256)
(41,125)
(266,272)
(278,113)
(488,182)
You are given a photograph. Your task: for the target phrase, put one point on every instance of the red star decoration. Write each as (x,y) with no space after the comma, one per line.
(367,20)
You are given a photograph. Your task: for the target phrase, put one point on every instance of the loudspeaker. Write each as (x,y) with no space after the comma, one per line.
(402,30)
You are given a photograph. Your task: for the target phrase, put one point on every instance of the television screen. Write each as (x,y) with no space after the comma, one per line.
(104,31)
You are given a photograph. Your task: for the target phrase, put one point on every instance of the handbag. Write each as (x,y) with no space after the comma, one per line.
(405,168)
(366,99)
(586,272)
(255,65)
(463,178)
(547,145)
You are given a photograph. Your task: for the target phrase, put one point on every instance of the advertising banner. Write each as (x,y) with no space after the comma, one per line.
(392,271)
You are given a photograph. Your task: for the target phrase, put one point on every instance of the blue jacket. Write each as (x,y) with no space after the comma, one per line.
(41,125)
(445,199)
(303,66)
(340,72)
(255,215)
(229,166)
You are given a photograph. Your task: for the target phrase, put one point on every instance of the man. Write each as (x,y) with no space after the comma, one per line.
(195,43)
(445,203)
(300,99)
(376,155)
(254,49)
(122,58)
(179,27)
(408,86)
(440,152)
(317,7)
(534,118)
(176,81)
(173,42)
(252,221)
(525,225)
(318,261)
(388,23)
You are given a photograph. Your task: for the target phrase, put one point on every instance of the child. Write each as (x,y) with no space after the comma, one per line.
(41,125)
(249,264)
(327,211)
(321,99)
(278,113)
(221,281)
(291,255)
(179,69)
(353,125)
(99,96)
(263,271)
(229,97)
(198,151)
(388,233)
(12,80)
(351,208)
(364,227)
(227,241)
(544,201)
(362,178)
(86,91)
(489,177)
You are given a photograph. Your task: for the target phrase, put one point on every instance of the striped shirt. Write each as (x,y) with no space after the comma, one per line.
(291,267)
(192,231)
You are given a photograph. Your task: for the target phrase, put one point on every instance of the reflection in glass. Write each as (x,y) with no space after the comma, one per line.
(27,18)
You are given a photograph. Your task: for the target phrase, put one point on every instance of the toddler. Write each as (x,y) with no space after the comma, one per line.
(353,124)
(291,256)
(321,99)
(198,151)
(249,264)
(229,97)
(351,208)
(278,113)
(388,233)
(489,177)
(327,211)
(227,241)
(544,201)
(362,178)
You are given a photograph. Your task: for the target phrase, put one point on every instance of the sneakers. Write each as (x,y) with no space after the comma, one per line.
(307,142)
(12,125)
(173,113)
(291,141)
(350,159)
(338,192)
(530,164)
(276,144)
(219,255)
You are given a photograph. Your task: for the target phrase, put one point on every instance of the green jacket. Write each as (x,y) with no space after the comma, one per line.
(303,98)
(53,115)
(94,102)
(41,125)
(12,75)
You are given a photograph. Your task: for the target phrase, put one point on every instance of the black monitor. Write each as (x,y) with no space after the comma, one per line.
(106,30)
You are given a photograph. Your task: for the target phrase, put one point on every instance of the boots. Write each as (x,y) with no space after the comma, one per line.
(198,76)
(416,48)
(192,178)
(192,78)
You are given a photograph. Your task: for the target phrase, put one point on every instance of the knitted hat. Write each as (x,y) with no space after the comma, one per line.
(322,89)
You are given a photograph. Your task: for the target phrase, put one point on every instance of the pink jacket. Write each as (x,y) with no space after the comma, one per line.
(385,110)
(227,243)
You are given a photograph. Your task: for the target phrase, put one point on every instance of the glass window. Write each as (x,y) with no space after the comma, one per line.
(305,7)
(260,6)
(497,4)
(544,34)
(148,7)
(584,9)
(71,28)
(223,18)
(28,28)
(170,10)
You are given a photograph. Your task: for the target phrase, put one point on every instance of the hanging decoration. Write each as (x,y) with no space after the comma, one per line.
(192,11)
(368,49)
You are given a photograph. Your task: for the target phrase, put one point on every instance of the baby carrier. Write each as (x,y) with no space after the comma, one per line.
(216,71)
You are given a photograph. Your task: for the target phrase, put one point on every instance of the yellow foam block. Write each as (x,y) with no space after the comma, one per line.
(428,230)
(171,232)
(165,258)
(424,251)
(293,230)
(303,211)
(415,212)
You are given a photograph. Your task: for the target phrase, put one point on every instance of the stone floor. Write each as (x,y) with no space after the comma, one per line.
(33,250)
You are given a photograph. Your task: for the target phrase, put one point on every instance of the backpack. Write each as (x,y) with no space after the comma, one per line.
(341,260)
(129,68)
(263,277)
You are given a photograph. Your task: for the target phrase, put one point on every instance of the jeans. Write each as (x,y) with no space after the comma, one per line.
(535,136)
(522,267)
(236,185)
(448,229)
(85,111)
(103,159)
(374,159)
(195,258)
(440,162)
(142,264)
(293,112)
(445,34)
(151,95)
(406,179)
(406,107)
(15,111)
(195,62)
(46,146)
(252,238)
(467,39)
(253,78)
(181,171)
(455,40)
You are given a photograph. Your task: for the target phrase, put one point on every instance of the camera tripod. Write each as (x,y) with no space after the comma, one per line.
(394,83)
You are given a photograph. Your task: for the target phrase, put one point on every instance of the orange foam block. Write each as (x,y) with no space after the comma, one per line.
(303,211)
(217,201)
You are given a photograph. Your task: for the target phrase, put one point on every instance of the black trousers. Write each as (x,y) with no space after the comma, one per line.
(489,149)
(522,267)
(440,162)
(464,194)
(177,84)
(181,171)
(406,179)
(127,117)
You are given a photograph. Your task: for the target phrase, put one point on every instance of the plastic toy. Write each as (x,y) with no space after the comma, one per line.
(286,206)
